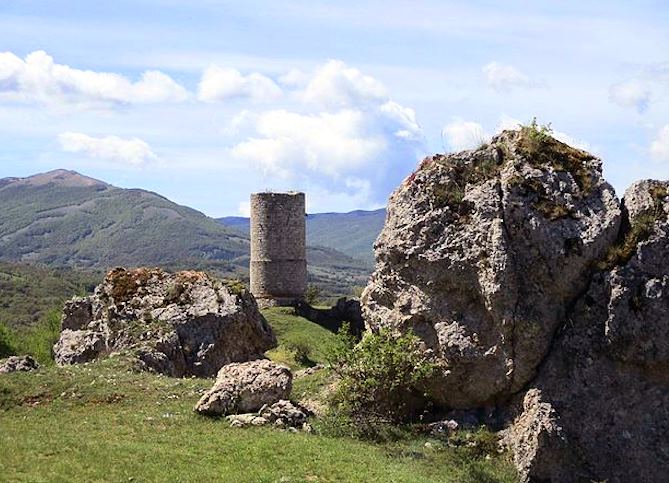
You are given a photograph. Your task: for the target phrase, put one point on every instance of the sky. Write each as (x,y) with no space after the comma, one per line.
(206,101)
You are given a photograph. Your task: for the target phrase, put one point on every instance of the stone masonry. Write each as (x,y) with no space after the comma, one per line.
(278,248)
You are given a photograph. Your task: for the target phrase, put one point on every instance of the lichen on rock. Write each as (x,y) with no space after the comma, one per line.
(478,261)
(541,297)
(179,324)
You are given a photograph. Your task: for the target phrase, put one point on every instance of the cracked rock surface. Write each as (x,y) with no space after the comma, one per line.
(537,293)
(178,324)
(482,253)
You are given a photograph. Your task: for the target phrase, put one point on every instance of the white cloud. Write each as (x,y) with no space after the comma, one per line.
(361,145)
(294,78)
(131,151)
(38,78)
(504,77)
(659,148)
(329,143)
(633,93)
(219,84)
(460,135)
(337,85)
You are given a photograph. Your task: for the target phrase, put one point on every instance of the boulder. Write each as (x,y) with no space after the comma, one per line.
(607,375)
(482,254)
(246,387)
(178,324)
(18,363)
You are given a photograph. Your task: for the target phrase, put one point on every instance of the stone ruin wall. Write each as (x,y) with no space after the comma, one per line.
(278,248)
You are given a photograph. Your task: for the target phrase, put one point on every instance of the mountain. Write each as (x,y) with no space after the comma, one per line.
(351,233)
(65,219)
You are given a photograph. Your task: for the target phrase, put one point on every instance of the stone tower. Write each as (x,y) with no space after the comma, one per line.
(278,248)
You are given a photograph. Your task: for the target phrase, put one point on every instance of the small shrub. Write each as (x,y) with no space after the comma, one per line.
(174,292)
(312,294)
(301,353)
(38,341)
(235,286)
(382,380)
(6,341)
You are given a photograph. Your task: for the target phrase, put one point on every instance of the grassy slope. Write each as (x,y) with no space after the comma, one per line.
(102,422)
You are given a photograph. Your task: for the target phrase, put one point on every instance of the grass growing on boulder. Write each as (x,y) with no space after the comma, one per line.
(639,231)
(541,149)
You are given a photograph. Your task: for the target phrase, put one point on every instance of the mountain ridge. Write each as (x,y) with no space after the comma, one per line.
(64,219)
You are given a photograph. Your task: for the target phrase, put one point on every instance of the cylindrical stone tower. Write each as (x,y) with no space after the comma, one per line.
(278,248)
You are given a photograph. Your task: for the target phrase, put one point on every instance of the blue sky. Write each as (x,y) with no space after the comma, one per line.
(207,101)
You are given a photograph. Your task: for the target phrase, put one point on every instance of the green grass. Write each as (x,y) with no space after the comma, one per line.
(105,422)
(292,331)
(101,422)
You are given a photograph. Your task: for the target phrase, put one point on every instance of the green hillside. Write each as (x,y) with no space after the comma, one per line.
(28,292)
(64,219)
(351,233)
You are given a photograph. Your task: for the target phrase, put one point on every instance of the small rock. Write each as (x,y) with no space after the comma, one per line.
(16,364)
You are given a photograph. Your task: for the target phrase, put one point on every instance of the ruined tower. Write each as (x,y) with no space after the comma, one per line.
(278,248)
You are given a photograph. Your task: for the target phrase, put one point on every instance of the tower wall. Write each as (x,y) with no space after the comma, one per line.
(278,248)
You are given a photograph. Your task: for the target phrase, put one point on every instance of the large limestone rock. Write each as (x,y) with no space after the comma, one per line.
(179,324)
(607,376)
(482,254)
(246,387)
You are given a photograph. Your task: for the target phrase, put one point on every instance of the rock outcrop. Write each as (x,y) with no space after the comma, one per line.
(482,254)
(246,387)
(18,364)
(541,295)
(607,375)
(179,324)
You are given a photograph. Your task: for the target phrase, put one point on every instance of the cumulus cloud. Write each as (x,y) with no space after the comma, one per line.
(37,78)
(294,78)
(133,151)
(349,137)
(633,93)
(219,84)
(659,148)
(504,77)
(337,85)
(460,135)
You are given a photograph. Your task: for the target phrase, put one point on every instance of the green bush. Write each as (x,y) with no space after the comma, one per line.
(38,340)
(382,381)
(301,352)
(6,341)
(312,294)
